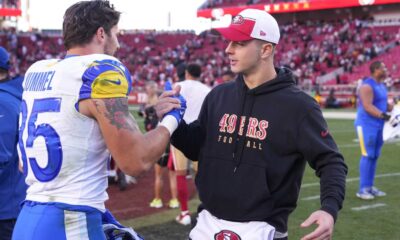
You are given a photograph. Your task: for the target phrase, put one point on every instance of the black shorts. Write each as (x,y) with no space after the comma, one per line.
(163,162)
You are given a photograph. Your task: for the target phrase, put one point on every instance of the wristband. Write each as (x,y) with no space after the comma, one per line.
(170,123)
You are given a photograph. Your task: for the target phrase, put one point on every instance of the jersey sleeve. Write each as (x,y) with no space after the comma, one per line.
(105,79)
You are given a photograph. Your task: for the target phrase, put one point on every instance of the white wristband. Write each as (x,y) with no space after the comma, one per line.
(170,123)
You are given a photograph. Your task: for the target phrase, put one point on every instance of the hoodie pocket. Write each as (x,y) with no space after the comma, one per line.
(237,195)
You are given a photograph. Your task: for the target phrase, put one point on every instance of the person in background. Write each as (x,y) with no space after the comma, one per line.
(74,115)
(151,122)
(12,184)
(331,101)
(252,140)
(228,76)
(372,108)
(194,92)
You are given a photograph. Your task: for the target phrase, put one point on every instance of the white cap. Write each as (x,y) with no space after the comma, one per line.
(252,24)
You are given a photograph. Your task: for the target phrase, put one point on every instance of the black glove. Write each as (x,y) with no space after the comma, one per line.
(385,116)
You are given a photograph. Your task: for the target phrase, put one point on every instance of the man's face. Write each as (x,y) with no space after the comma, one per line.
(151,89)
(111,43)
(383,71)
(245,57)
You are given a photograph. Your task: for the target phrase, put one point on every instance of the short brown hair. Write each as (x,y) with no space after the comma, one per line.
(83,19)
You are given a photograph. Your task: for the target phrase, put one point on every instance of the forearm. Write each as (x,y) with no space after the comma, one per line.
(333,185)
(152,146)
(321,152)
(136,153)
(189,139)
(133,151)
(373,111)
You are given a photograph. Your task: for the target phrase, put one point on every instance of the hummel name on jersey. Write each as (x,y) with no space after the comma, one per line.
(38,81)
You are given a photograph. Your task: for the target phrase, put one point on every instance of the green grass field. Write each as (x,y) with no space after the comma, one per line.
(358,220)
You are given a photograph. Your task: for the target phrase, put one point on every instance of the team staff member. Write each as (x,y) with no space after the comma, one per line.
(12,184)
(371,116)
(252,140)
(74,114)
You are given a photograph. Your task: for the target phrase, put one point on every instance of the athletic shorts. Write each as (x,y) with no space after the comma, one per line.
(210,227)
(180,161)
(371,141)
(38,221)
(163,162)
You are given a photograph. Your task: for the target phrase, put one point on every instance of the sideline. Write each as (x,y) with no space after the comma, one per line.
(339,115)
(366,207)
(306,185)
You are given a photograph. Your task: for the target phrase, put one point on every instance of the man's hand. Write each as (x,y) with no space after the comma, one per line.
(171,107)
(176,112)
(325,224)
(167,102)
(385,116)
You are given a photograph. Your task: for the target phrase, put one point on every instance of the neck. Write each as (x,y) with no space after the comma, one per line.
(3,77)
(257,78)
(85,50)
(378,79)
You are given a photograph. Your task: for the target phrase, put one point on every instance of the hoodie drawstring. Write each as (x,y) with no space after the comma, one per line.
(246,124)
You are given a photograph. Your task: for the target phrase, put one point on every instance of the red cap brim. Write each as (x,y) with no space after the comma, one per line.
(233,34)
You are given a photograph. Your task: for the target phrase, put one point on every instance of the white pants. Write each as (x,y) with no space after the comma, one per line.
(210,227)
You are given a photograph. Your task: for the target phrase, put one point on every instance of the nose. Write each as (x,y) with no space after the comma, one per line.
(117,45)
(228,49)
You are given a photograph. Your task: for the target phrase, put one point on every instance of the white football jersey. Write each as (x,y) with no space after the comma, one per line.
(64,156)
(391,129)
(194,93)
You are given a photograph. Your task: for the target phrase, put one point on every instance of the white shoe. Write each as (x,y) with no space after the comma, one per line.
(365,194)
(376,192)
(184,218)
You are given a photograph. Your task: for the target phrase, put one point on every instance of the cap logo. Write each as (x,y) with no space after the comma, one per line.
(262,33)
(238,20)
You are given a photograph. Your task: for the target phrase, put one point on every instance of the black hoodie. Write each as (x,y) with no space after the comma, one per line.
(252,146)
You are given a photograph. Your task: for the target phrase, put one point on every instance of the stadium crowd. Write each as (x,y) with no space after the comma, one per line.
(310,49)
(229,3)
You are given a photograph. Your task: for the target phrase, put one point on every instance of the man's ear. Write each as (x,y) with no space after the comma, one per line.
(267,49)
(100,34)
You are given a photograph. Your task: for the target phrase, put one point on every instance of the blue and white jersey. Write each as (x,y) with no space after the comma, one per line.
(64,156)
(379,101)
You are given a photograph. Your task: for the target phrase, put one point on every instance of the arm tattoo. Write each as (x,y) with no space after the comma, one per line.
(117,113)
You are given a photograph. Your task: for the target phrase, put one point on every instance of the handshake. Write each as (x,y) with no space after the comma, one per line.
(169,110)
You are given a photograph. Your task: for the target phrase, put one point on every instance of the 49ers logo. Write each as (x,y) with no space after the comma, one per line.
(256,128)
(238,20)
(226,235)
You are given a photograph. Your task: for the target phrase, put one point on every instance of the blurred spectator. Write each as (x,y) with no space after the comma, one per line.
(151,122)
(194,92)
(228,76)
(331,101)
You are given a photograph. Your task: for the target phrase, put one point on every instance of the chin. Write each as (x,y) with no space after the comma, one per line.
(235,69)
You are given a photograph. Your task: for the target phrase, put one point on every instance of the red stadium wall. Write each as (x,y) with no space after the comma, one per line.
(10,8)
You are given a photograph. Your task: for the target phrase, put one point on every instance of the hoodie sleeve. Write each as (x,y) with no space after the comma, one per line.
(319,149)
(8,134)
(189,138)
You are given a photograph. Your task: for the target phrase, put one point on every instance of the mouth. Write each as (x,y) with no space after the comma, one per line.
(233,62)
